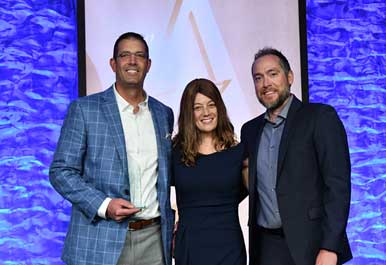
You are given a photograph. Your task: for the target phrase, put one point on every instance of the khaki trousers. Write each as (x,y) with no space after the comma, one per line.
(143,247)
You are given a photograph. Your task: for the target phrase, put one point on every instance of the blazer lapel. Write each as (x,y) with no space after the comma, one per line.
(159,121)
(156,115)
(287,131)
(111,112)
(255,137)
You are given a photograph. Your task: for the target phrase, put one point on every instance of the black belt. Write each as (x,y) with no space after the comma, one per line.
(140,224)
(272,231)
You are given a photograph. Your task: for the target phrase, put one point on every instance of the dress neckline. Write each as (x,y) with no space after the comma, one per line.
(218,152)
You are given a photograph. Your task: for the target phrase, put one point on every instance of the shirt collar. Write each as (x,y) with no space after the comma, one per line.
(123,105)
(283,113)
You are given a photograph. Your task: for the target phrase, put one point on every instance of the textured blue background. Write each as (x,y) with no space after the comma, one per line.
(347,69)
(38,79)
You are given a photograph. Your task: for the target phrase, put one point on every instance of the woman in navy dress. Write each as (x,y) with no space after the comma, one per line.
(207,174)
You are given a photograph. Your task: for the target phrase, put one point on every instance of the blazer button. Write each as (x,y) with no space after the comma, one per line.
(126,192)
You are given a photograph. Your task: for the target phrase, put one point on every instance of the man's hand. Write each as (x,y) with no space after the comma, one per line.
(326,257)
(120,209)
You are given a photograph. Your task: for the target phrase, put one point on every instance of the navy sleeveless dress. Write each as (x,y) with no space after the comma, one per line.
(208,195)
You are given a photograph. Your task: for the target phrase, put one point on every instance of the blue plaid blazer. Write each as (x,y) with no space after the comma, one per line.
(90,164)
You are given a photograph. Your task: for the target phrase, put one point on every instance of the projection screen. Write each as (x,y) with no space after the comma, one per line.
(214,39)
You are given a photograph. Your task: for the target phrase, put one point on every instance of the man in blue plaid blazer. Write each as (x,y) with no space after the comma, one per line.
(112,163)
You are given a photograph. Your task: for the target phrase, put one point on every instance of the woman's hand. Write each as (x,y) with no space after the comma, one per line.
(245,172)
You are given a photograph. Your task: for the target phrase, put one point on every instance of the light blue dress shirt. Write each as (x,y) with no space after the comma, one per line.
(267,158)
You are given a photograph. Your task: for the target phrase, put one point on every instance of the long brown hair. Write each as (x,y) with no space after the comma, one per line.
(188,136)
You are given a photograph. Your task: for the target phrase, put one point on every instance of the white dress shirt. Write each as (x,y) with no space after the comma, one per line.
(142,158)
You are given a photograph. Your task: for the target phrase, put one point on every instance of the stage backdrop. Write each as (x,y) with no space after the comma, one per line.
(190,39)
(38,79)
(347,59)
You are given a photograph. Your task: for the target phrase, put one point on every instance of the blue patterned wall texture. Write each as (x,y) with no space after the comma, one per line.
(38,79)
(347,69)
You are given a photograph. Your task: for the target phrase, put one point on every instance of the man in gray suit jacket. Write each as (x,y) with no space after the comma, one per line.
(112,163)
(299,174)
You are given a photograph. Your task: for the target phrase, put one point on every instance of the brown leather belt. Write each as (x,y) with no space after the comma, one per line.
(140,224)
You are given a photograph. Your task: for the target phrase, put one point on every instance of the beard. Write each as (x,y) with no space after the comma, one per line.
(283,96)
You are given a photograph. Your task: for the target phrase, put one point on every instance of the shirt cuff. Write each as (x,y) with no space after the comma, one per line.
(103,208)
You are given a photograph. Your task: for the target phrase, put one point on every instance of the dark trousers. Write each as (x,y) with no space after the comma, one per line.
(273,249)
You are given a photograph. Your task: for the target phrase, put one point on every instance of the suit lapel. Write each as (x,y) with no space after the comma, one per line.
(287,131)
(156,115)
(255,137)
(111,112)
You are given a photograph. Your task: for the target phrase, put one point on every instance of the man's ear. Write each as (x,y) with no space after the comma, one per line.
(148,65)
(290,77)
(113,64)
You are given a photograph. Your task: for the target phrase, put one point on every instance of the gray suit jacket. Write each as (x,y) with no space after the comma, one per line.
(90,164)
